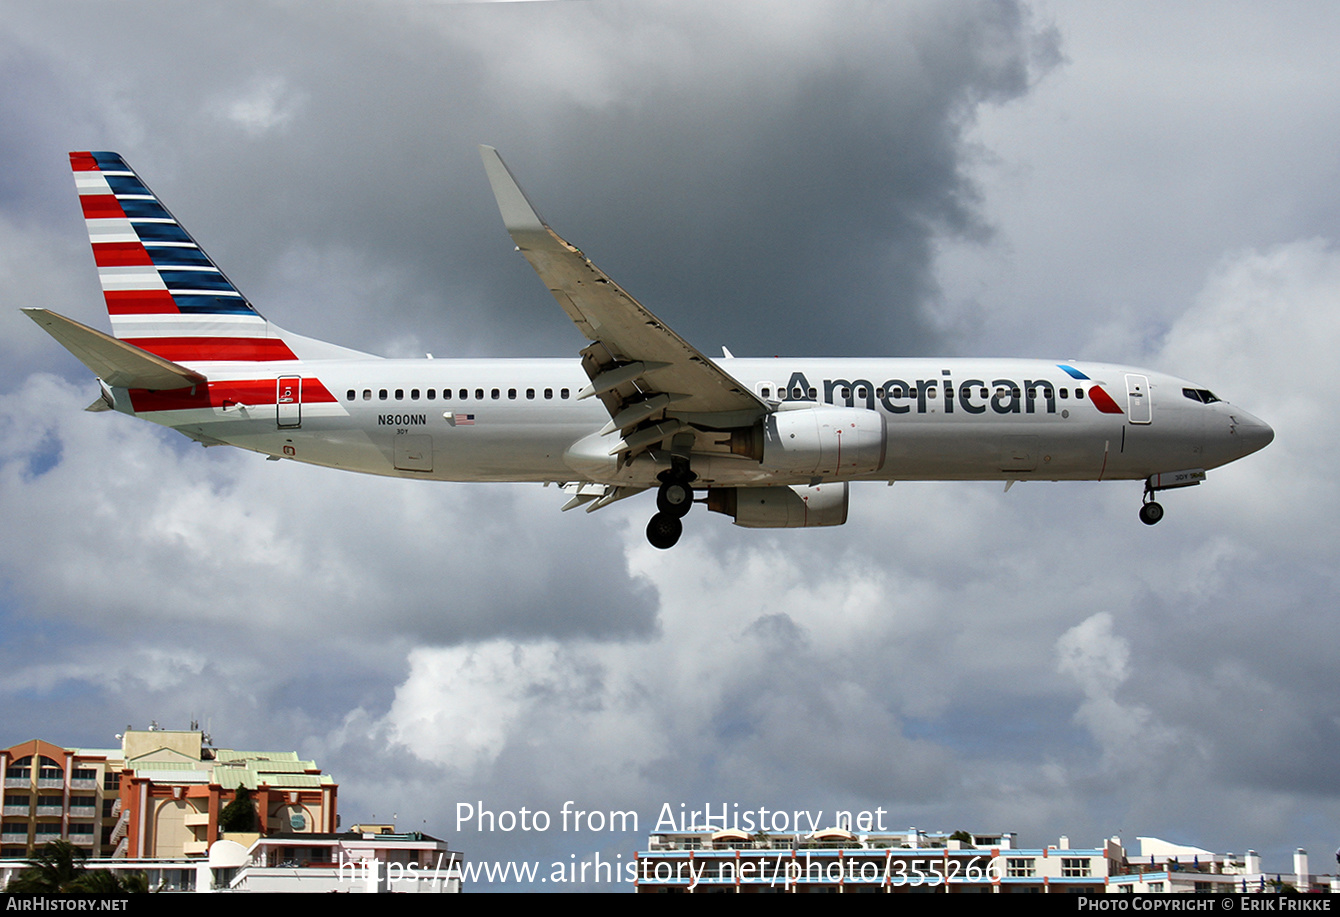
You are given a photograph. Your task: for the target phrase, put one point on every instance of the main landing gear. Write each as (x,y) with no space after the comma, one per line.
(674,499)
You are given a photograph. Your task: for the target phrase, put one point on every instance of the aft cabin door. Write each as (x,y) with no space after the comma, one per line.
(1137,398)
(288,401)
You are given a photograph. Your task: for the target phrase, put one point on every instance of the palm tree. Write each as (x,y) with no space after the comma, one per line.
(60,868)
(53,869)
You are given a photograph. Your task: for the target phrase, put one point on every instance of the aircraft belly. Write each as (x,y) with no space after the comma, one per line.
(992,451)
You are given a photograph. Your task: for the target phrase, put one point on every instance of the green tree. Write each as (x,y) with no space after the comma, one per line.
(240,814)
(61,868)
(962,836)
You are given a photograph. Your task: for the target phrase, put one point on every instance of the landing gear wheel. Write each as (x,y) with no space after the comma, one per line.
(674,498)
(664,530)
(1151,513)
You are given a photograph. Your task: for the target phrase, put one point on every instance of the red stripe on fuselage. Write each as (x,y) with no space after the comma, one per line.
(136,302)
(194,350)
(253,393)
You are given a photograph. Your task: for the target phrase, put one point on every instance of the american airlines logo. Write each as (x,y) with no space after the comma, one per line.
(971,396)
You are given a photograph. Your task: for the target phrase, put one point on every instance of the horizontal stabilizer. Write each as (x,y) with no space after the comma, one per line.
(115,362)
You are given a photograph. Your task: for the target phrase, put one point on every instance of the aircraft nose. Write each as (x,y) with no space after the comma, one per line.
(1251,433)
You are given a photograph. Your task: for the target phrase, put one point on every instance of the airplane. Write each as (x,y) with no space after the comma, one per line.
(772,443)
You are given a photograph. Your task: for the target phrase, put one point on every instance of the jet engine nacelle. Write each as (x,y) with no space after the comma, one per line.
(824,441)
(791,507)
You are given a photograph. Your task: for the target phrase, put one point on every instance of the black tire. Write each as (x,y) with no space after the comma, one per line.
(663,530)
(1151,513)
(674,498)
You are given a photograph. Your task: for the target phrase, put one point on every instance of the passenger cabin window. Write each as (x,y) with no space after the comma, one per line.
(350,395)
(530,393)
(465,393)
(1079,394)
(511,394)
(414,394)
(367,394)
(400,394)
(479,394)
(563,393)
(548,393)
(381,394)
(432,394)
(496,394)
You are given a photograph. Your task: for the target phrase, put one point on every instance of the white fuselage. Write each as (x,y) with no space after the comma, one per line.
(521,420)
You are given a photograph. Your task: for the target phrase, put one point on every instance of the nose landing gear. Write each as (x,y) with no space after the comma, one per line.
(1151,512)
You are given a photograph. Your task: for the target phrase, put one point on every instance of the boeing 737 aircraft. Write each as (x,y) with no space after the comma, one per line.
(772,443)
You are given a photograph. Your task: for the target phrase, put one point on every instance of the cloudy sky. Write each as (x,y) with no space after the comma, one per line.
(1155,184)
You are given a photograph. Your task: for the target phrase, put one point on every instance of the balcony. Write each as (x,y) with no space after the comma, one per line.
(197,819)
(19,809)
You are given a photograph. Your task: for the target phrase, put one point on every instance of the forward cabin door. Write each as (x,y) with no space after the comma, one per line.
(1137,398)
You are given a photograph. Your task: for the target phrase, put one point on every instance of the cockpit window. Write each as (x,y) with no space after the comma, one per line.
(1203,395)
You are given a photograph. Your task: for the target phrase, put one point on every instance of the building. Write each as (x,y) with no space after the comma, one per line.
(160,795)
(836,860)
(352,862)
(51,792)
(1166,868)
(348,862)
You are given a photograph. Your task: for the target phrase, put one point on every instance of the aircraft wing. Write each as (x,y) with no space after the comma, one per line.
(115,362)
(653,382)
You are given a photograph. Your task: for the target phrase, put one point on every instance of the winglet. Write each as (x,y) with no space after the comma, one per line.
(518,213)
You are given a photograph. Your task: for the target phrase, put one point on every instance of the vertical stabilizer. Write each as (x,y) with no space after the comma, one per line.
(164,294)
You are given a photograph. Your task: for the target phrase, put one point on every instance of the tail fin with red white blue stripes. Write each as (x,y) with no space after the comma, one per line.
(164,294)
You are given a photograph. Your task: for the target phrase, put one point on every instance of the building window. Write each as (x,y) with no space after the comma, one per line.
(1019,868)
(1074,868)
